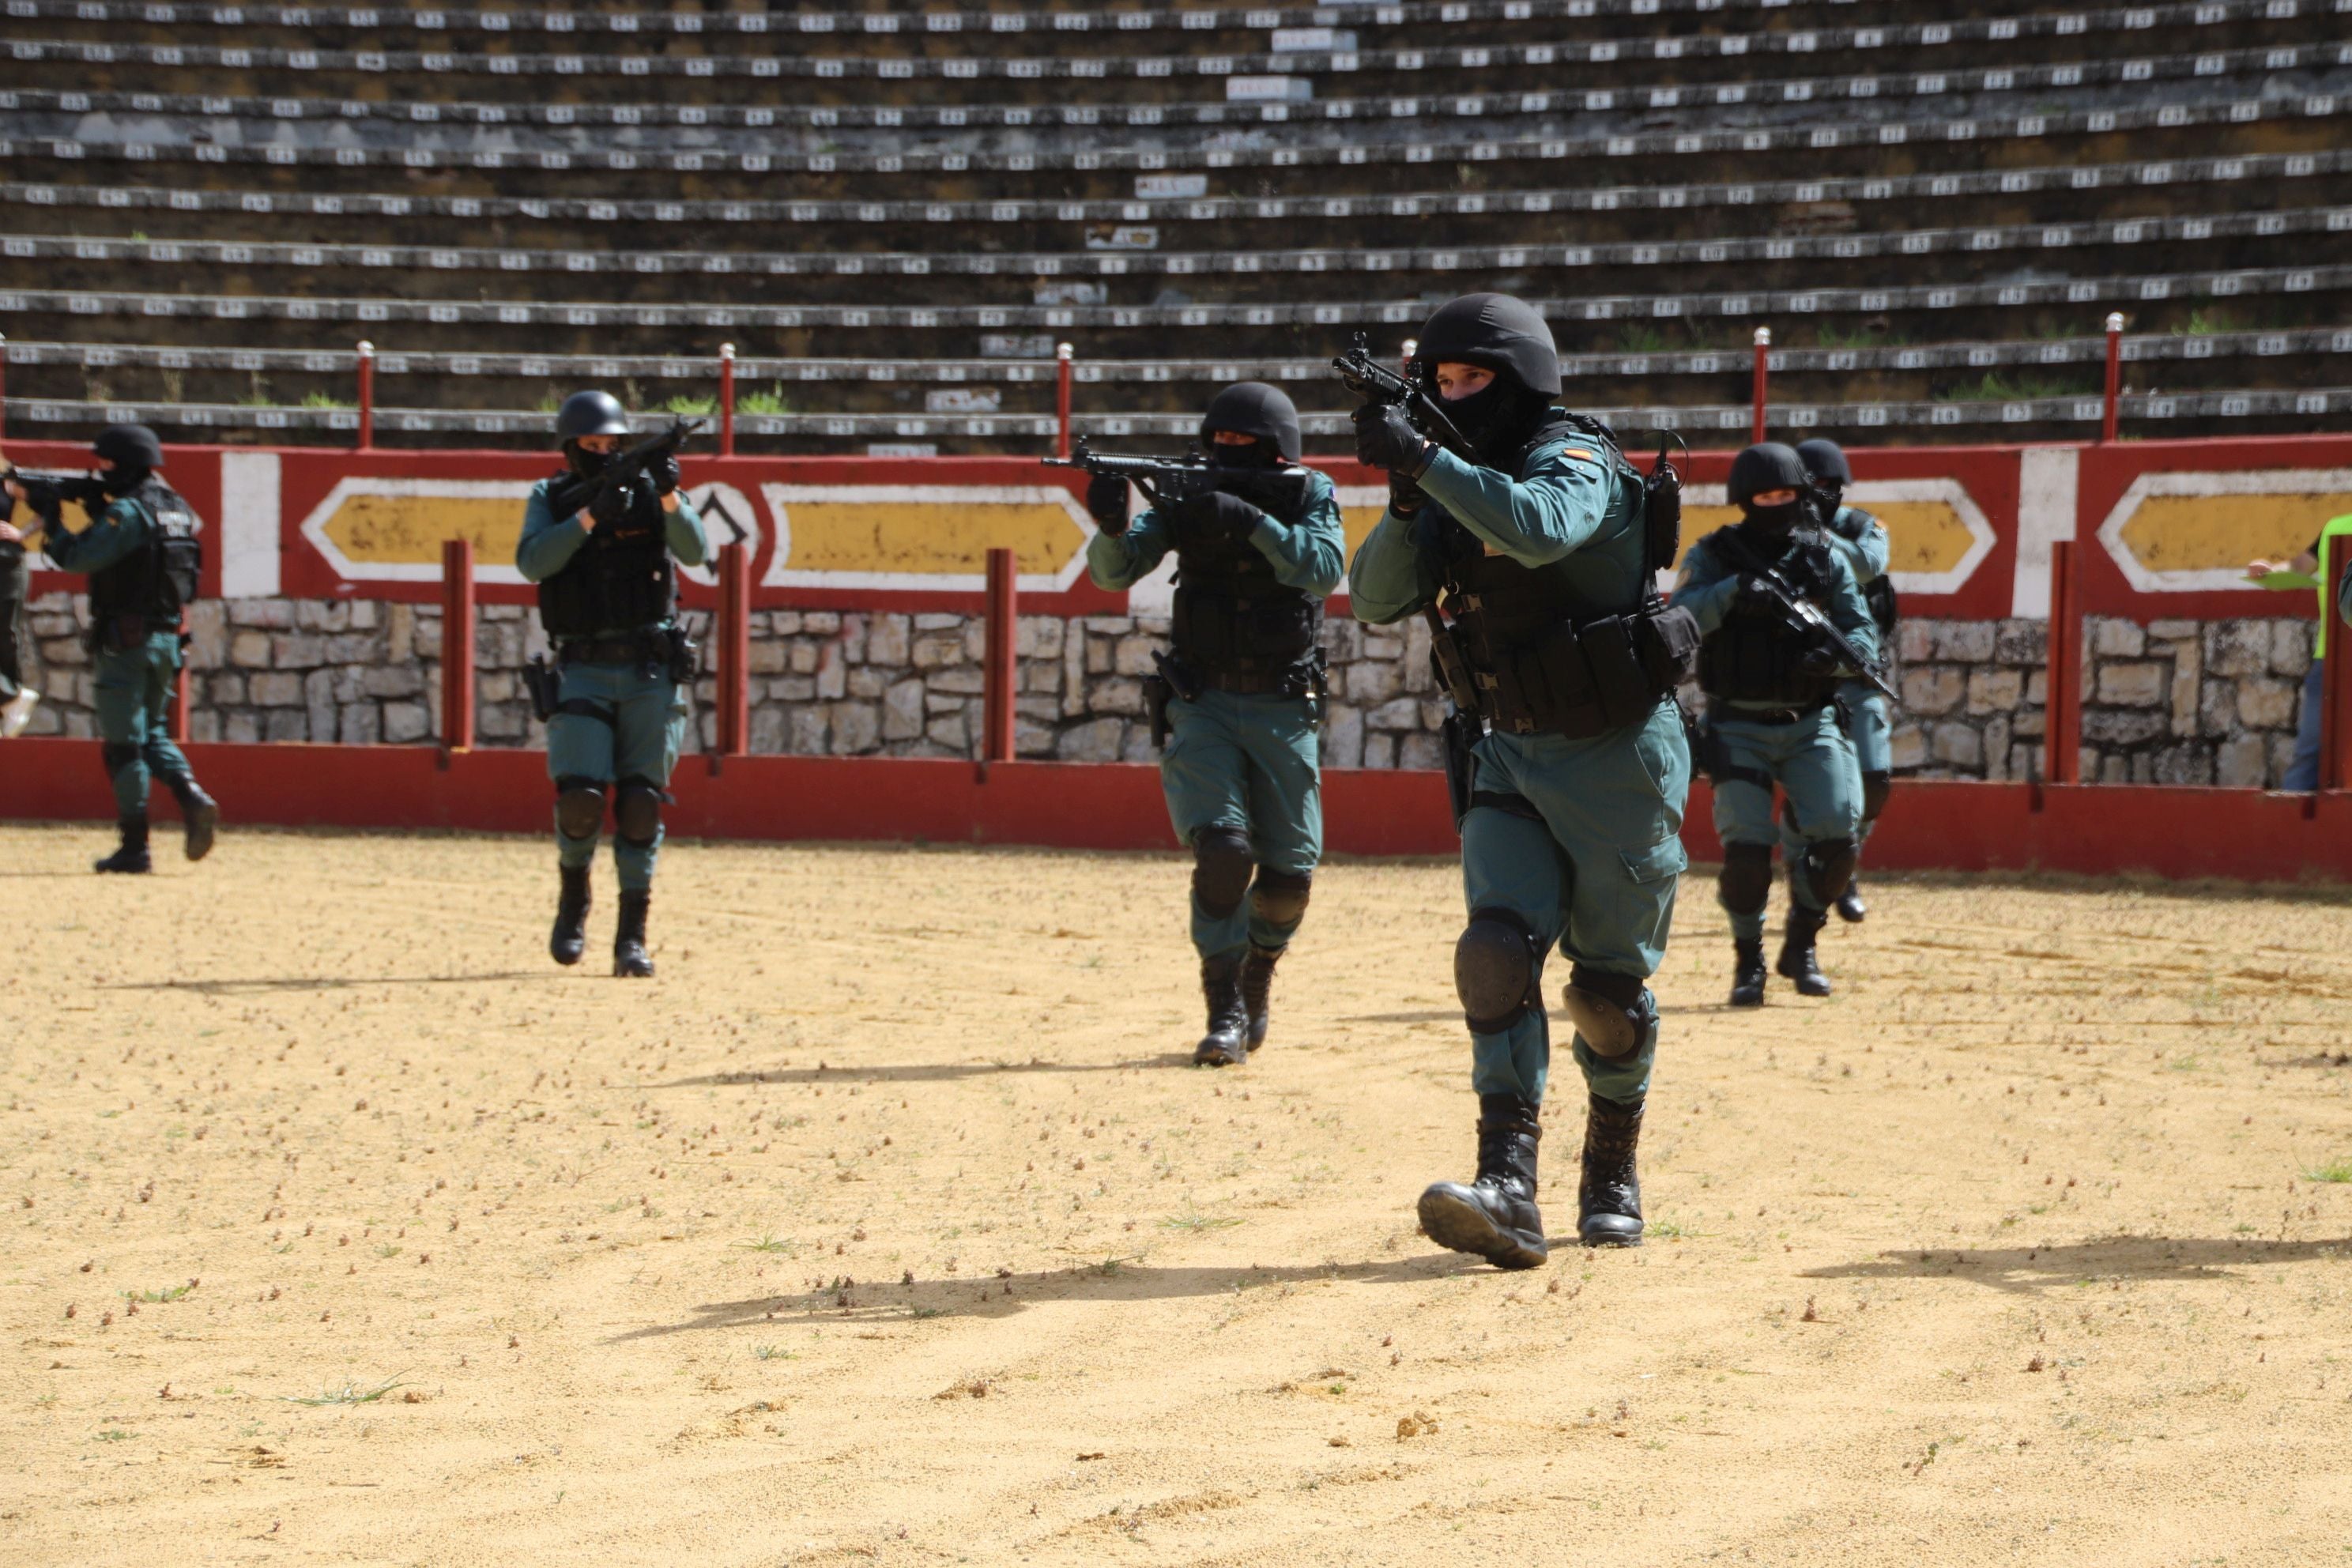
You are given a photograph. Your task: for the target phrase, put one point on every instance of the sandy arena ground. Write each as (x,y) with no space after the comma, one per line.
(887,1227)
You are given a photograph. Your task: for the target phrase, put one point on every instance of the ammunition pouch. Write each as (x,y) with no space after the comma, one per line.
(544,686)
(1582,679)
(1233,635)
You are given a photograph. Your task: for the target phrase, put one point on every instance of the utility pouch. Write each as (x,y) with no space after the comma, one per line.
(1460,733)
(1180,680)
(544,684)
(1662,511)
(1155,708)
(685,656)
(1618,678)
(1666,641)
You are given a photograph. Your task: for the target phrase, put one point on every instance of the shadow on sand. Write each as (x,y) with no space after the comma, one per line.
(2114,1259)
(927,1072)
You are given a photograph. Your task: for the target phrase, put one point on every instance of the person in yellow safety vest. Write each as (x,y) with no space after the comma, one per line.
(2303,572)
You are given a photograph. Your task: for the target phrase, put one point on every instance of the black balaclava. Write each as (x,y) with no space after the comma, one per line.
(1254,409)
(1769,466)
(127,453)
(588,412)
(1827,471)
(1508,336)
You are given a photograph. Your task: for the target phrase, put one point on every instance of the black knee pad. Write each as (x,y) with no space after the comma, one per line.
(1747,880)
(1498,970)
(1875,788)
(1827,867)
(1279,898)
(637,811)
(1607,1009)
(1221,869)
(116,755)
(579,807)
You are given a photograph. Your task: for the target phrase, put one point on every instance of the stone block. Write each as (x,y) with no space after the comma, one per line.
(902,711)
(866,682)
(359,724)
(1914,640)
(285,724)
(2139,685)
(800,655)
(2022,642)
(943,702)
(2237,647)
(887,639)
(2188,684)
(1099,655)
(1380,751)
(856,727)
(322,616)
(392,680)
(937,621)
(809,729)
(1343,737)
(1383,643)
(277,689)
(269,615)
(405,721)
(964,680)
(1957,745)
(225,690)
(2174,629)
(2291,647)
(319,704)
(2113,638)
(2282,758)
(79,726)
(949,731)
(832,674)
(1096,740)
(2123,726)
(1936,689)
(67,652)
(1403,714)
(1041,677)
(1031,739)
(852,641)
(1996,746)
(1074,674)
(501,722)
(2238,762)
(1965,642)
(769,730)
(2268,704)
(786,623)
(2106,770)
(207,635)
(241,729)
(400,633)
(1038,637)
(768,658)
(2184,764)
(203,725)
(2024,760)
(791,689)
(1421,750)
(363,615)
(1994,689)
(822,623)
(354,647)
(1367,683)
(1907,746)
(1133,656)
(937,650)
(1116,695)
(249,650)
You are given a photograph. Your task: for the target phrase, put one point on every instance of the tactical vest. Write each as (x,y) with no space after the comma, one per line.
(620,579)
(1878,594)
(1536,667)
(1756,655)
(1235,625)
(156,581)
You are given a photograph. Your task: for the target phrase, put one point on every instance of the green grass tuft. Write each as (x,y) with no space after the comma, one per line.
(350,1393)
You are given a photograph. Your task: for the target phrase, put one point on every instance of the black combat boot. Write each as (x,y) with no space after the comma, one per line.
(1797,961)
(1257,989)
(1227,1045)
(629,955)
(1748,974)
(1609,1194)
(1495,1215)
(569,941)
(132,855)
(199,814)
(1849,906)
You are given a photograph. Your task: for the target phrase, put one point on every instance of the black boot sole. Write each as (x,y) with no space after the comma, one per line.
(1853,914)
(202,825)
(1216,1053)
(567,953)
(1461,1227)
(1813,986)
(1592,1236)
(1741,1000)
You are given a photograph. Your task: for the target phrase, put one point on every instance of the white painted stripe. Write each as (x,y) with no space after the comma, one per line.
(249,525)
(2049,487)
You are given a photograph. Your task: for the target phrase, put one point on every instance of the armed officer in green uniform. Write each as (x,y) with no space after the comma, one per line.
(142,556)
(1862,540)
(1569,763)
(608,597)
(1241,688)
(1771,681)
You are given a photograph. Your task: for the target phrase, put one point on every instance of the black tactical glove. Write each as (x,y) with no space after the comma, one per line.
(613,506)
(1818,661)
(663,472)
(1405,497)
(1217,515)
(1106,502)
(1385,438)
(1755,597)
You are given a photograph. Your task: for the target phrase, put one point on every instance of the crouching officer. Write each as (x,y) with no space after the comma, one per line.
(1568,761)
(1862,540)
(608,597)
(1771,681)
(1240,690)
(142,556)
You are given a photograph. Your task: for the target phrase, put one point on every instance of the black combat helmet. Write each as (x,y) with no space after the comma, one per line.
(1496,332)
(1824,460)
(1254,408)
(129,447)
(590,413)
(1766,466)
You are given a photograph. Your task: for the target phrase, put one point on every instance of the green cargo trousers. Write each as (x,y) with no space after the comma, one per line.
(1581,839)
(1813,760)
(616,723)
(1248,761)
(134,693)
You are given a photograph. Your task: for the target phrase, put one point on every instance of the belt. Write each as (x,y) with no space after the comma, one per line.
(1298,681)
(1771,715)
(634,648)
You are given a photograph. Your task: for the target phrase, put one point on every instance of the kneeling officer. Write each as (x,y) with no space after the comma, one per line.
(1771,677)
(608,597)
(1241,689)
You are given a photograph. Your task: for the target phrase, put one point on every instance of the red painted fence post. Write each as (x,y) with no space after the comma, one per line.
(367,395)
(1061,353)
(457,645)
(175,721)
(2335,677)
(1763,375)
(1002,670)
(726,400)
(2111,410)
(4,384)
(2062,713)
(733,653)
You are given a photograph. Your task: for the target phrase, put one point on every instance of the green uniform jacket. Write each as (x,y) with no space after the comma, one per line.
(549,543)
(113,535)
(1307,555)
(1709,585)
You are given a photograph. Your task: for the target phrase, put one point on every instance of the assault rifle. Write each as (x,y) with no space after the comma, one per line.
(1376,383)
(1167,481)
(48,491)
(576,492)
(1807,615)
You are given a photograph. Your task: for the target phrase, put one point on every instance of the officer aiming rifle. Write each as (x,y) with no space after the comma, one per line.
(613,487)
(1167,482)
(1807,618)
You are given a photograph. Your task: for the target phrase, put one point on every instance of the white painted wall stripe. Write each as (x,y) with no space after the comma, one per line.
(249,525)
(2049,486)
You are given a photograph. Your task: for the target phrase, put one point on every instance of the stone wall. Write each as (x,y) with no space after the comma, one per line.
(2172,703)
